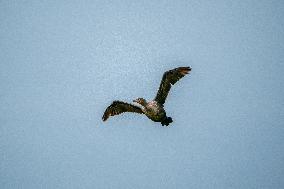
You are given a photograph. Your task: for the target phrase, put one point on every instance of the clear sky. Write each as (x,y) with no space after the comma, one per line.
(63,62)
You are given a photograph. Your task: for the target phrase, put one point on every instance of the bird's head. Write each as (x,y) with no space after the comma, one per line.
(141,101)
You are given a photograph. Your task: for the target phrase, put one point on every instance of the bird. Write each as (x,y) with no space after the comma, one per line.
(153,109)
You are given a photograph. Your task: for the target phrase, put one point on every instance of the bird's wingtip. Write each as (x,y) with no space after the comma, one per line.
(104,118)
(185,70)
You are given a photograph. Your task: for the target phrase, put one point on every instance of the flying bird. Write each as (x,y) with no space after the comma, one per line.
(154,109)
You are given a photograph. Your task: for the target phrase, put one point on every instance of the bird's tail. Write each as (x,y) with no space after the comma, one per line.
(167,121)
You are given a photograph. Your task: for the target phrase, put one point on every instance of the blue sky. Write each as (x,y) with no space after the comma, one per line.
(63,62)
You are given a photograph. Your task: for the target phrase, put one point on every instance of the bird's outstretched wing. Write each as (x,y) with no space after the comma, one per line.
(118,107)
(170,78)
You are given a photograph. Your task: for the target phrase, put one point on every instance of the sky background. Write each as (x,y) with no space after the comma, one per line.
(63,62)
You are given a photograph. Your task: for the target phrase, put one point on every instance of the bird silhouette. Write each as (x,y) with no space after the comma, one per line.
(154,109)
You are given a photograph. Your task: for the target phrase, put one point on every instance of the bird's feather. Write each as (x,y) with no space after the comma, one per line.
(170,78)
(118,107)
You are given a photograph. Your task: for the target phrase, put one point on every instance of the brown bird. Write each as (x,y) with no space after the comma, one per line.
(154,109)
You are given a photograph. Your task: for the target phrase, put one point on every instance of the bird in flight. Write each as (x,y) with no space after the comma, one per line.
(154,109)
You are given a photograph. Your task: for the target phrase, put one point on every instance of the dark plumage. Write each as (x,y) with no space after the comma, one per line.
(154,109)
(118,107)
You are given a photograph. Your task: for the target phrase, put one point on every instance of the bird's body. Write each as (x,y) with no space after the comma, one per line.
(154,109)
